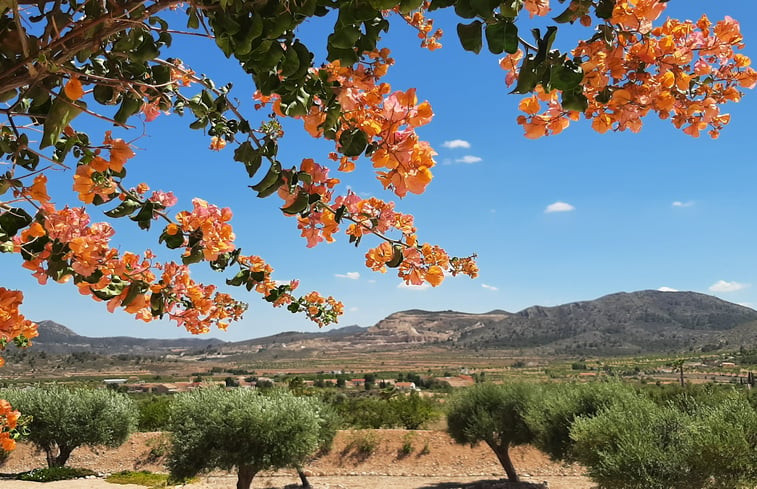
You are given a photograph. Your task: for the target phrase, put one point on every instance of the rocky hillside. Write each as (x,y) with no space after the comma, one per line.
(624,323)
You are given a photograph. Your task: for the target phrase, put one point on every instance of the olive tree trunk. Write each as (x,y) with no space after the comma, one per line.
(503,455)
(245,476)
(303,478)
(56,455)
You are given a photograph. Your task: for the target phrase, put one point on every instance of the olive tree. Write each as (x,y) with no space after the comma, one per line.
(495,415)
(63,419)
(243,430)
(551,418)
(639,444)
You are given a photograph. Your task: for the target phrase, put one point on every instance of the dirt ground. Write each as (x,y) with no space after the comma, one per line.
(431,460)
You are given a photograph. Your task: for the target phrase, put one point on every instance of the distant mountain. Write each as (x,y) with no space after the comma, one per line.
(56,338)
(622,323)
(643,321)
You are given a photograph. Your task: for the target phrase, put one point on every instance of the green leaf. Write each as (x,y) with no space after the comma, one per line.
(382,4)
(566,76)
(407,6)
(130,105)
(195,256)
(604,8)
(61,113)
(14,219)
(352,142)
(270,182)
(397,257)
(464,9)
(511,37)
(299,205)
(157,304)
(344,37)
(495,37)
(575,100)
(470,36)
(575,10)
(528,77)
(123,209)
(510,8)
(104,94)
(172,241)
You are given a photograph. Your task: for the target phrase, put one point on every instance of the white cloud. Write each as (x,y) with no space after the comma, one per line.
(678,203)
(723,286)
(490,287)
(423,286)
(354,309)
(667,289)
(456,143)
(469,159)
(559,207)
(349,275)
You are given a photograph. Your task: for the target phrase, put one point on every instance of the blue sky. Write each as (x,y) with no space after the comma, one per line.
(644,211)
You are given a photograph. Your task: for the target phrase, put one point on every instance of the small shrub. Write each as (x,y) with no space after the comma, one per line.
(141,478)
(366,443)
(407,445)
(425,450)
(55,474)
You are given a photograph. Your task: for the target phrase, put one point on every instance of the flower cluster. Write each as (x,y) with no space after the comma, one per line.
(13,325)
(388,120)
(681,70)
(8,423)
(424,26)
(211,226)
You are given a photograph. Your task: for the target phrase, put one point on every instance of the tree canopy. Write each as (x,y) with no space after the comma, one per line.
(63,419)
(112,62)
(245,430)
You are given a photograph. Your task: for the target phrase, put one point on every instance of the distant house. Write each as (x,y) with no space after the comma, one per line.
(406,386)
(728,365)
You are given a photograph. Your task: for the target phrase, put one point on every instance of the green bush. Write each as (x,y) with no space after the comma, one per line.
(64,419)
(51,474)
(559,405)
(154,413)
(639,444)
(243,429)
(373,411)
(141,478)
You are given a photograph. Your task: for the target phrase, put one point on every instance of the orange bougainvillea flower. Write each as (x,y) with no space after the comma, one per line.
(73,89)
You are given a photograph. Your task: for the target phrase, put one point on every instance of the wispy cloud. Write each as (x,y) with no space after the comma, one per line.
(354,309)
(667,289)
(559,207)
(349,275)
(490,287)
(678,203)
(723,286)
(423,286)
(469,159)
(456,143)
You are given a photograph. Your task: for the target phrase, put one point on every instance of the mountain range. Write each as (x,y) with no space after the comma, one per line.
(622,323)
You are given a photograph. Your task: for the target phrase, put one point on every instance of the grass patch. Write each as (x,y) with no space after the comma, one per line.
(143,478)
(55,474)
